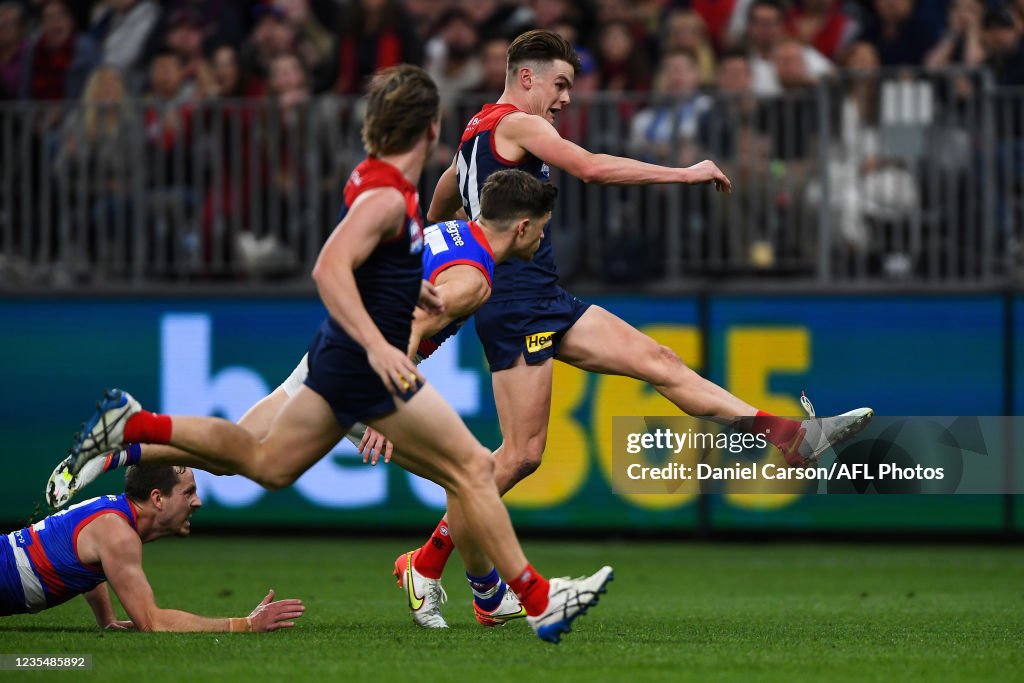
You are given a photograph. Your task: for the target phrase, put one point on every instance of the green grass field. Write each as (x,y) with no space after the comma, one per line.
(676,611)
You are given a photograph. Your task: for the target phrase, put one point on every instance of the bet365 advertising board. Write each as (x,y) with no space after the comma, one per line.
(903,356)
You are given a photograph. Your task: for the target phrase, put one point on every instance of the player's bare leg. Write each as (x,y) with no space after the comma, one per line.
(63,484)
(522,396)
(603,343)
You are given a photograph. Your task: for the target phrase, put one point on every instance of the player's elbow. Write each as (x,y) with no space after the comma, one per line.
(591,170)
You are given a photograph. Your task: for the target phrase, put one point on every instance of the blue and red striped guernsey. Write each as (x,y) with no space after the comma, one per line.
(454,243)
(389,280)
(40,565)
(476,159)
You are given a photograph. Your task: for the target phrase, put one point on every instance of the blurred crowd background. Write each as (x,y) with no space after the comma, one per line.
(208,139)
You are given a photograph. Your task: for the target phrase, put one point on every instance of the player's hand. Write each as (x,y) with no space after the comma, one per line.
(371,445)
(270,616)
(430,300)
(708,172)
(117,625)
(394,368)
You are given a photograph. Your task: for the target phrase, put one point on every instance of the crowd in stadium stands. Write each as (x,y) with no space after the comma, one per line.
(695,63)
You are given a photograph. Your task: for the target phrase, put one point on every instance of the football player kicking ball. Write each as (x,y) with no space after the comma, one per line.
(530,320)
(459,259)
(368,276)
(82,549)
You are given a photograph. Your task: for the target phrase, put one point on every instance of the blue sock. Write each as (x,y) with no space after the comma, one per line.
(488,591)
(129,456)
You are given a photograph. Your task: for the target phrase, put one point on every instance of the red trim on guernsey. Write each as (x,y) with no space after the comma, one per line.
(81,525)
(480,237)
(44,567)
(460,262)
(494,144)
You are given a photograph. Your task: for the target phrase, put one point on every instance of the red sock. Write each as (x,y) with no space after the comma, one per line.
(433,556)
(532,590)
(147,427)
(778,431)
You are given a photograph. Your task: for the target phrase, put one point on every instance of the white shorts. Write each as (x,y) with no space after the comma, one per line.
(298,377)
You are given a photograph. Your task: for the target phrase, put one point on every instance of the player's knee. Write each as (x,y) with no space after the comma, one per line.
(276,478)
(473,472)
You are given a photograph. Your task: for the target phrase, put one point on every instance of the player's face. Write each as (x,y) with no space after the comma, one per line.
(181,503)
(552,83)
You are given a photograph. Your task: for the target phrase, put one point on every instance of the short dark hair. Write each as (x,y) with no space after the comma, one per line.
(400,104)
(541,46)
(141,479)
(512,194)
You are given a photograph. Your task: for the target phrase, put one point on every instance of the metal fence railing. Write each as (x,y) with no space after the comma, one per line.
(897,177)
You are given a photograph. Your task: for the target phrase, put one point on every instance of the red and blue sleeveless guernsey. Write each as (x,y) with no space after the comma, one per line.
(477,158)
(454,243)
(39,565)
(389,280)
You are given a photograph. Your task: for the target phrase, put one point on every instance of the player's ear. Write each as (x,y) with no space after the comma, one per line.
(522,226)
(157,499)
(526,77)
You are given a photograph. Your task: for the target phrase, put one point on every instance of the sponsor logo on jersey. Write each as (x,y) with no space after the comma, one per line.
(539,342)
(545,171)
(452,228)
(356,178)
(20,539)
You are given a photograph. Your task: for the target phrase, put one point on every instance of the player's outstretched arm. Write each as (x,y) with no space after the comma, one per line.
(446,203)
(120,555)
(102,608)
(539,138)
(377,214)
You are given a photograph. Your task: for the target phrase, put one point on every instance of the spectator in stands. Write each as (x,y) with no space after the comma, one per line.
(727,130)
(962,43)
(452,59)
(314,44)
(185,38)
(12,49)
(122,28)
(375,34)
(227,72)
(824,25)
(272,36)
(685,30)
(664,132)
(493,59)
(1003,44)
(623,65)
(899,35)
(97,161)
(766,30)
(59,62)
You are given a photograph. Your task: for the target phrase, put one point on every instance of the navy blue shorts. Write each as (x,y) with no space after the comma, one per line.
(340,372)
(532,328)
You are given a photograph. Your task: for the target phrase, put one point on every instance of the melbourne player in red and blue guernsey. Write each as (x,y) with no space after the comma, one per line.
(530,320)
(79,550)
(400,128)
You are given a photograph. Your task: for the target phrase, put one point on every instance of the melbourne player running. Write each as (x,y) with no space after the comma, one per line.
(530,320)
(459,259)
(368,276)
(98,542)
